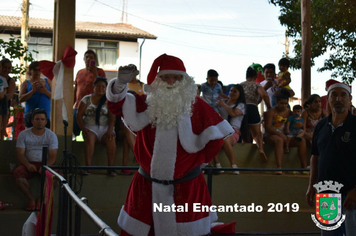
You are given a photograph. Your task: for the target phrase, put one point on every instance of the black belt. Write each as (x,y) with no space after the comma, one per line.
(190,175)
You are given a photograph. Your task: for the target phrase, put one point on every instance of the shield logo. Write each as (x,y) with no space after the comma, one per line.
(328,208)
(346,137)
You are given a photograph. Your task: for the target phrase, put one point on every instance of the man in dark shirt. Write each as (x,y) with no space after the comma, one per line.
(334,154)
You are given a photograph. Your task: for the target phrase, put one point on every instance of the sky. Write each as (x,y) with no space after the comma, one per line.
(225,35)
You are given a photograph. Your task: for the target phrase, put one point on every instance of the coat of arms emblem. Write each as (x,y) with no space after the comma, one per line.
(328,208)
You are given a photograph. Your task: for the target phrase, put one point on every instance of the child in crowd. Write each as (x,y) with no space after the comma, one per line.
(283,79)
(269,84)
(234,111)
(291,130)
(212,90)
(3,102)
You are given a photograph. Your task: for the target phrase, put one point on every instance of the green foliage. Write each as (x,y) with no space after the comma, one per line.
(14,49)
(333,31)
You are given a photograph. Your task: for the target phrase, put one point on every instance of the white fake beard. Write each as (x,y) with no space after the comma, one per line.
(167,104)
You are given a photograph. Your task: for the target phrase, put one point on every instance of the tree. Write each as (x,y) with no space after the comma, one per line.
(13,50)
(333,27)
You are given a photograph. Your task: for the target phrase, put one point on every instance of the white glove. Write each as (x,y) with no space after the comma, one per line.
(125,75)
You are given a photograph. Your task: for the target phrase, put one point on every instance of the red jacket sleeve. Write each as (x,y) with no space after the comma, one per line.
(212,149)
(116,107)
(203,116)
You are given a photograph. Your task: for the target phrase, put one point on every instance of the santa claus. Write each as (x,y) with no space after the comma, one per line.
(176,133)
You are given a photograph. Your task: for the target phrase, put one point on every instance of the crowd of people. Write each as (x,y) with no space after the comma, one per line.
(175,127)
(283,126)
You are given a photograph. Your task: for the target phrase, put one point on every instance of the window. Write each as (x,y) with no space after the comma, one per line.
(107,53)
(43,46)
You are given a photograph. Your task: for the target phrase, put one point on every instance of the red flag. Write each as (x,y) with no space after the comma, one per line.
(44,218)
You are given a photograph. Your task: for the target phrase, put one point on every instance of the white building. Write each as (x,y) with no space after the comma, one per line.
(115,44)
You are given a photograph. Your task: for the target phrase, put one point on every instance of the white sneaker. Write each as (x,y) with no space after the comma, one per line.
(236,172)
(219,166)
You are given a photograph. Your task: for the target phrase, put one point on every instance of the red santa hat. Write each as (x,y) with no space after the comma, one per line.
(330,82)
(166,64)
(339,85)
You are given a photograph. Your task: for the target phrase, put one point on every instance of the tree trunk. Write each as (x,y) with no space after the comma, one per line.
(24,33)
(306,49)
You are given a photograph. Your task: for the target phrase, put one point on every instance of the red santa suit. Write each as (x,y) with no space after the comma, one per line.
(168,154)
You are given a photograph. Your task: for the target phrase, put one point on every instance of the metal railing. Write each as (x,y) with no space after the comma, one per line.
(211,170)
(65,194)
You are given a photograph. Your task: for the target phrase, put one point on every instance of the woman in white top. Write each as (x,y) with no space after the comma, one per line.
(233,110)
(97,124)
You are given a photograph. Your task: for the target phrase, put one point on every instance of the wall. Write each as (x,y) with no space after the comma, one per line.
(81,46)
(6,37)
(128,53)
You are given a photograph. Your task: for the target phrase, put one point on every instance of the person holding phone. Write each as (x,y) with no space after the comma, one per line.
(36,93)
(83,84)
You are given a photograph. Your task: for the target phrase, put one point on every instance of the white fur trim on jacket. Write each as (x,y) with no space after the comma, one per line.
(112,97)
(193,143)
(165,223)
(164,153)
(131,225)
(135,120)
(162,168)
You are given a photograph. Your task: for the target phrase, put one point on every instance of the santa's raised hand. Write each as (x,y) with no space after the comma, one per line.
(125,75)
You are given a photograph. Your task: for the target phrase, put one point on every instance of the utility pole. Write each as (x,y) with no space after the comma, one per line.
(306,49)
(24,32)
(124,11)
(287,45)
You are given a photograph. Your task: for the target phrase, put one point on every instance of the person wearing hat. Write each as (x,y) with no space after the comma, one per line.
(324,99)
(333,155)
(176,134)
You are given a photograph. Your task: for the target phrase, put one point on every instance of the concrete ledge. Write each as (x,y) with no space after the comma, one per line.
(246,155)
